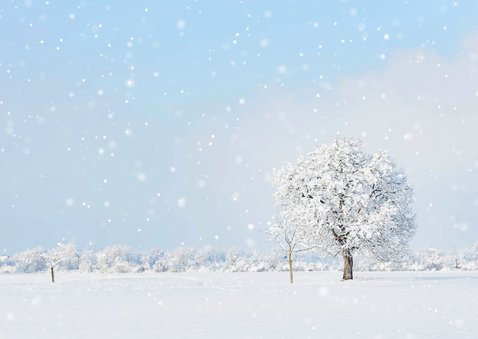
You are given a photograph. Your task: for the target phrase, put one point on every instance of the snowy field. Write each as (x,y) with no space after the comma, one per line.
(240,305)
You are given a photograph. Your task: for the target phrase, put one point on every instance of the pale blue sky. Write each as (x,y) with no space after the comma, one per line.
(158,123)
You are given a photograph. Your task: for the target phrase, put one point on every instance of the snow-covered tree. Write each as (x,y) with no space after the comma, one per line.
(349,201)
(64,257)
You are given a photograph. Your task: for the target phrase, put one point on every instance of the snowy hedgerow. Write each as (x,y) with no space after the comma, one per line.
(345,201)
(121,259)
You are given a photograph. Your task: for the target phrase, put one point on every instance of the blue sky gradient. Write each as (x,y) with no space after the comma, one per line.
(158,123)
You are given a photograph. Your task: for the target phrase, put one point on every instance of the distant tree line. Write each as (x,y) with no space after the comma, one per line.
(123,259)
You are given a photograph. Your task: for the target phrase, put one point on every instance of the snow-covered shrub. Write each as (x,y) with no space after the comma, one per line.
(431,260)
(30,261)
(87,261)
(157,261)
(234,260)
(7,265)
(160,266)
(117,259)
(182,259)
(210,259)
(153,256)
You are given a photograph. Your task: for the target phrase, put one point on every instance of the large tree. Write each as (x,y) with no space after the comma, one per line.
(349,201)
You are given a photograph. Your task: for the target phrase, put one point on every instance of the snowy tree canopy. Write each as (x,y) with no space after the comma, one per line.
(349,200)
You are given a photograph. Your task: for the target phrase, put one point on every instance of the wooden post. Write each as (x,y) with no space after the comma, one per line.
(52,275)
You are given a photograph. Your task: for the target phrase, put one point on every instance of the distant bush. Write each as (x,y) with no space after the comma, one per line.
(30,261)
(117,259)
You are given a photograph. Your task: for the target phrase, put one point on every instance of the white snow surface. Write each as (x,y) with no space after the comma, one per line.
(240,305)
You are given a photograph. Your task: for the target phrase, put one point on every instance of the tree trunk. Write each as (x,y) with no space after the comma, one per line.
(291,273)
(348,265)
(52,275)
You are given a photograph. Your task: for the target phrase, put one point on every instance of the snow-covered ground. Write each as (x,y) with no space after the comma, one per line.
(240,305)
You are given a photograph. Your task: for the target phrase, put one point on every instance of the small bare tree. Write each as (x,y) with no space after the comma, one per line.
(291,238)
(291,230)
